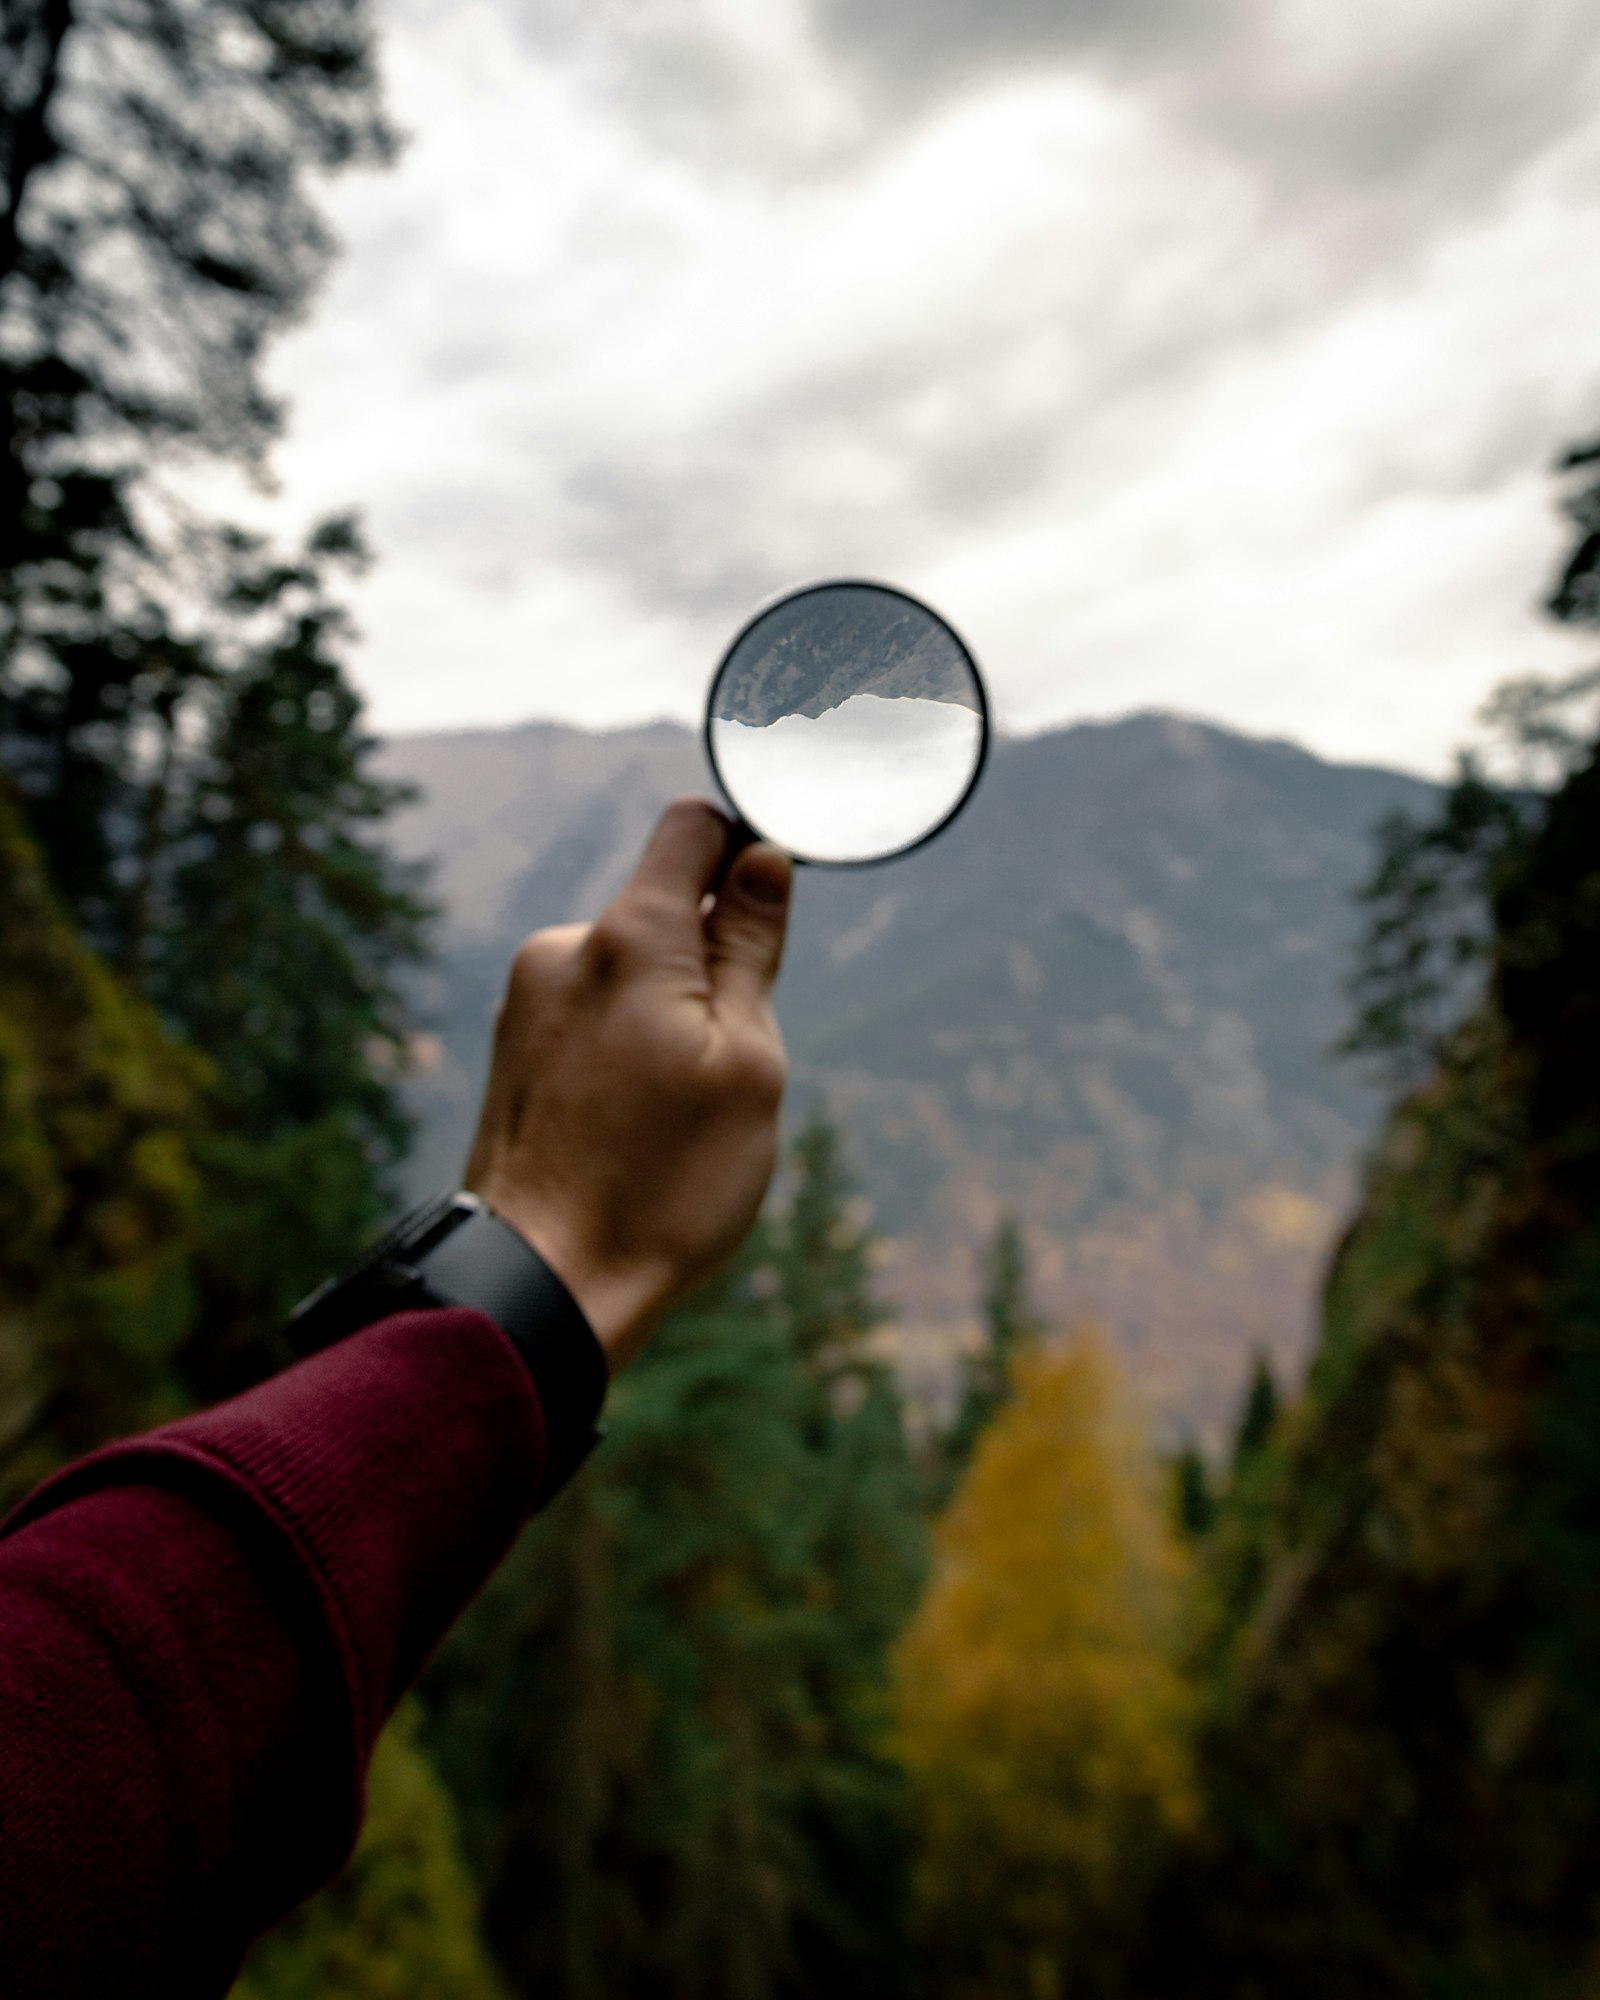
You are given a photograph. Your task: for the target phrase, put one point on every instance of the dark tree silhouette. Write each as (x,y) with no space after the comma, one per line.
(157,227)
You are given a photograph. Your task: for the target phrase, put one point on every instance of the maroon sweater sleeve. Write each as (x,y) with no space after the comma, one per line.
(202,1631)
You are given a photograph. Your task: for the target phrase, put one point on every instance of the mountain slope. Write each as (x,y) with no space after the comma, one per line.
(1105,998)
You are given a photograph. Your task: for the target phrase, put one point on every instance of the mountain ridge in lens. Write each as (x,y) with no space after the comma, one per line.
(812,652)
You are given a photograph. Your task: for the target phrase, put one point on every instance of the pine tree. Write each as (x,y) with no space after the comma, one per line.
(1258,1417)
(622,1715)
(822,1256)
(1010,1319)
(870,1558)
(284,932)
(1041,1716)
(663,1720)
(156,229)
(1400,1753)
(173,715)
(1195,1503)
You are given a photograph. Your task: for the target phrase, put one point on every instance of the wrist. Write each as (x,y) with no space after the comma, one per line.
(458,1251)
(620,1302)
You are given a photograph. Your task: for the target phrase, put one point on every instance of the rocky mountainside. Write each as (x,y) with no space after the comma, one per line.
(1105,998)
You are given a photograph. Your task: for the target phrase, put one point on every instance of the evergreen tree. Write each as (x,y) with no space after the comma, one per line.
(1041,1715)
(108,1202)
(285,974)
(1195,1503)
(868,1559)
(1425,951)
(1431,932)
(620,1714)
(1400,1753)
(822,1256)
(662,1720)
(1010,1319)
(1257,1419)
(156,228)
(285,931)
(172,711)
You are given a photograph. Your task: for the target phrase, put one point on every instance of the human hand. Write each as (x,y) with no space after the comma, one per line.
(629,1127)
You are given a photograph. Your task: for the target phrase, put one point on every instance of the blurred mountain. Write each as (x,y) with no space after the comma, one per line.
(1105,998)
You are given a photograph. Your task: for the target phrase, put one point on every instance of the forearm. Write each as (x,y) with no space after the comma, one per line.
(202,1630)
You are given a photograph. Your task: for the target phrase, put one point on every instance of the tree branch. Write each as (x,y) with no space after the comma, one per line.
(33,144)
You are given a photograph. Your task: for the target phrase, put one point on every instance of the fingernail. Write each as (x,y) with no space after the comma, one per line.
(763,875)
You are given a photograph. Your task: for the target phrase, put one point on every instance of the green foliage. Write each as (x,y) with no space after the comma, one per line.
(1194,1502)
(173,713)
(100,1116)
(1575,598)
(822,1253)
(286,923)
(156,228)
(1258,1417)
(1430,932)
(400,1922)
(1401,1754)
(284,931)
(663,1719)
(1392,1639)
(1427,939)
(1010,1319)
(179,741)
(272,932)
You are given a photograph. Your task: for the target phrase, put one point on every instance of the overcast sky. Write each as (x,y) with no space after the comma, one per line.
(1198,354)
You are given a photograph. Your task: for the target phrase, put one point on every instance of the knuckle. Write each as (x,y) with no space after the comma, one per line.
(613,942)
(533,964)
(530,957)
(760,1069)
(541,968)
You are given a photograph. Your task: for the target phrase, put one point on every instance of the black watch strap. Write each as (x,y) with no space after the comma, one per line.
(456,1251)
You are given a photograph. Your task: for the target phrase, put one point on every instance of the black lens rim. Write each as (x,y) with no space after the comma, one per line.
(788,597)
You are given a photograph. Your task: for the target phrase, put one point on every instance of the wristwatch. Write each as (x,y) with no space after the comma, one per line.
(455,1251)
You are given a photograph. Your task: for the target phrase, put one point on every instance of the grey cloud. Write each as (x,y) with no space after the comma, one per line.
(673,536)
(671,68)
(1390,116)
(661,60)
(912,48)
(485,532)
(1401,115)
(1426,122)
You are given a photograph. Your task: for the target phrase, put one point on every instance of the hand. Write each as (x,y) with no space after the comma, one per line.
(629,1128)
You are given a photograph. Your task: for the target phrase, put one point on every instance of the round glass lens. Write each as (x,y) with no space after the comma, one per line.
(847,723)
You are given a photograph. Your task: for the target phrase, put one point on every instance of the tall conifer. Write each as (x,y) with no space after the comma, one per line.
(158,224)
(663,1720)
(1010,1319)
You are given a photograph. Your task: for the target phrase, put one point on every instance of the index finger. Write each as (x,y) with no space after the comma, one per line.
(681,859)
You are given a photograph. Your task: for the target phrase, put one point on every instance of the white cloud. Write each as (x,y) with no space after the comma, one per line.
(1162,406)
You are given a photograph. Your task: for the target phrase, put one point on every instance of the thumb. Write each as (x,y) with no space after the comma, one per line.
(745,930)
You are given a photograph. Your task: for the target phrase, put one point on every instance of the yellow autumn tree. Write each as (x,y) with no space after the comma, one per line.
(1040,1714)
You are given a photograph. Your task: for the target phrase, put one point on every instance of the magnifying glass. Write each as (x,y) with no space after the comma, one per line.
(847,724)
